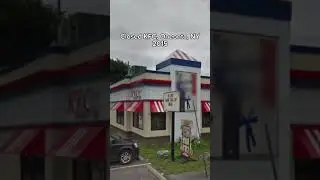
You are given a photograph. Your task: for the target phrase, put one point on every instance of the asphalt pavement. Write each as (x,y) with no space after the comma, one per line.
(132,172)
(189,176)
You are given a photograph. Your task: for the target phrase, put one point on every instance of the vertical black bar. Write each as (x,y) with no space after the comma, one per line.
(172,136)
(89,169)
(59,6)
(74,169)
(271,154)
(105,170)
(22,168)
(231,116)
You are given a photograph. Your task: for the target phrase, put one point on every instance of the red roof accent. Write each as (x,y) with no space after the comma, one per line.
(82,142)
(305,74)
(156,106)
(118,106)
(306,141)
(149,82)
(25,142)
(55,76)
(205,106)
(136,106)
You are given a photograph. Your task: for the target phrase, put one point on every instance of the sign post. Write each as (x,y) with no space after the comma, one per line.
(172,102)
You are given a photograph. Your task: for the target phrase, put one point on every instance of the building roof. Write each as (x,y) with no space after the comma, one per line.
(179,54)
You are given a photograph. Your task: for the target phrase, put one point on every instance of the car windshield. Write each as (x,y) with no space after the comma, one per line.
(115,138)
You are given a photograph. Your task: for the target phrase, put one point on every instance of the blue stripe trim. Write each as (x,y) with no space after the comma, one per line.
(179,62)
(305,49)
(271,9)
(157,72)
(168,73)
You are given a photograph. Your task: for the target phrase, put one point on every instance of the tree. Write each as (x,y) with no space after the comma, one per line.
(118,70)
(28,27)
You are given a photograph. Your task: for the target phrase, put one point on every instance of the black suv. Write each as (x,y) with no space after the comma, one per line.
(123,150)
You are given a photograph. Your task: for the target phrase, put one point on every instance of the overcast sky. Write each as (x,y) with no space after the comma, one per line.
(305,26)
(179,16)
(159,16)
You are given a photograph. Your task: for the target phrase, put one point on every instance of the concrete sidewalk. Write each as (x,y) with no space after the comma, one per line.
(189,176)
(132,173)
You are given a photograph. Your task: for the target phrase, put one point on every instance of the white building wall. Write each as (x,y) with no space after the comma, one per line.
(153,92)
(10,167)
(50,105)
(27,109)
(205,95)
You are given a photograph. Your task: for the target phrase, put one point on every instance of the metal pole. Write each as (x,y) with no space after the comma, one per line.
(273,164)
(195,113)
(172,136)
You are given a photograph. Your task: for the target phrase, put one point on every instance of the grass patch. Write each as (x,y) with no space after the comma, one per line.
(165,165)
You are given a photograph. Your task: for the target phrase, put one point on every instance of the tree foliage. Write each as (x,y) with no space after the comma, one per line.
(118,70)
(27,28)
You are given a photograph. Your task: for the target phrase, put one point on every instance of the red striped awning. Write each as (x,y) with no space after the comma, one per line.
(156,106)
(81,142)
(306,141)
(136,106)
(118,106)
(24,142)
(205,106)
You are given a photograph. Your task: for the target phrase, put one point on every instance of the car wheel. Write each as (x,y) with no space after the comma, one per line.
(125,156)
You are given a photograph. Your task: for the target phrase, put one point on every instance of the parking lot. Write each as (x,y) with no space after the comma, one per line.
(135,171)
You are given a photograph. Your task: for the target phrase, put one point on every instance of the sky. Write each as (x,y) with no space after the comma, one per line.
(179,16)
(305,30)
(160,16)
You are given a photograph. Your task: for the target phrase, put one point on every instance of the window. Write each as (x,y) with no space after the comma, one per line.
(206,119)
(81,169)
(32,168)
(137,120)
(158,121)
(120,117)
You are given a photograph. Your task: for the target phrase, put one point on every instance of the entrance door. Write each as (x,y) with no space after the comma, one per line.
(32,168)
(81,169)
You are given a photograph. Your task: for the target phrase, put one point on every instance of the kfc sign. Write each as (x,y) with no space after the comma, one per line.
(135,94)
(83,102)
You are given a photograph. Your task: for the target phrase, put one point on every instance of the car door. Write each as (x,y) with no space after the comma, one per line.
(113,149)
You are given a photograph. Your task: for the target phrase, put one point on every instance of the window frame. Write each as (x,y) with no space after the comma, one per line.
(135,123)
(120,114)
(205,125)
(165,121)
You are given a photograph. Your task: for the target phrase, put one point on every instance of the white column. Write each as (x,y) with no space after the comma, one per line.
(285,147)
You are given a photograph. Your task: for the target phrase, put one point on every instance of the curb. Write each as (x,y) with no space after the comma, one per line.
(141,158)
(155,172)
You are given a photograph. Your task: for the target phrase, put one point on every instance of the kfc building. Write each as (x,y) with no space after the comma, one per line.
(137,103)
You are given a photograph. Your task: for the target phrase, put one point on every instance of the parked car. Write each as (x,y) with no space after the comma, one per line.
(123,150)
